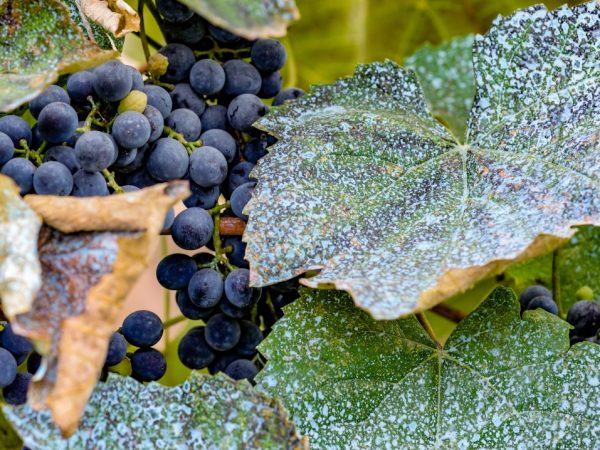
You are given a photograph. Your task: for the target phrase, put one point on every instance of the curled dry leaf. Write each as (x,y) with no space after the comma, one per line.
(91,257)
(19,266)
(114,15)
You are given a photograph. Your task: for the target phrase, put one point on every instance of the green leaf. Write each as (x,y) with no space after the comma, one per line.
(446,76)
(499,382)
(204,412)
(251,19)
(39,41)
(20,270)
(104,38)
(335,35)
(365,184)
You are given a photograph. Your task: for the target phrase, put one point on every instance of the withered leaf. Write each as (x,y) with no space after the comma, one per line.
(19,266)
(92,255)
(114,15)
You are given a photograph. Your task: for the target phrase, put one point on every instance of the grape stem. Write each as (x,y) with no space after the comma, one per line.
(141,4)
(28,153)
(189,146)
(220,252)
(427,326)
(449,313)
(173,321)
(89,120)
(217,51)
(111,182)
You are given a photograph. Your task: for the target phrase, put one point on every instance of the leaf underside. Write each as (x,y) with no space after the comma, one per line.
(20,271)
(203,412)
(499,382)
(39,41)
(365,184)
(250,19)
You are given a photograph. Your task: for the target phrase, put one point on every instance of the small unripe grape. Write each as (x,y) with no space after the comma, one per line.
(585,293)
(135,101)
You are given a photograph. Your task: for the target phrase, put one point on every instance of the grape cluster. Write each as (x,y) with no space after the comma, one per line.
(583,315)
(16,350)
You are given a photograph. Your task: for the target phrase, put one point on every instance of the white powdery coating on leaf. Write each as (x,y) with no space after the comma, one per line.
(20,270)
(365,184)
(500,382)
(203,412)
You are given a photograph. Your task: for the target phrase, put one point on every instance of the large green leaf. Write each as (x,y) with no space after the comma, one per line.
(248,18)
(204,412)
(446,76)
(499,382)
(365,184)
(38,41)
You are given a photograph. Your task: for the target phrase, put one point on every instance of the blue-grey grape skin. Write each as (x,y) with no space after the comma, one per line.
(287,95)
(95,151)
(142,328)
(89,184)
(131,129)
(192,228)
(201,197)
(183,96)
(545,303)
(8,368)
(241,78)
(148,364)
(16,393)
(208,167)
(245,110)
(50,95)
(21,171)
(173,11)
(7,149)
(240,198)
(168,160)
(159,98)
(239,174)
(80,86)
(112,81)
(181,59)
(57,122)
(205,288)
(157,122)
(16,129)
(188,309)
(175,271)
(271,84)
(193,350)
(268,55)
(52,178)
(207,77)
(584,315)
(222,333)
(117,349)
(214,117)
(242,369)
(185,122)
(237,288)
(64,155)
(222,141)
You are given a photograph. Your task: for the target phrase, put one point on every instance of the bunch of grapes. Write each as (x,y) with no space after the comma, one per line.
(583,315)
(111,130)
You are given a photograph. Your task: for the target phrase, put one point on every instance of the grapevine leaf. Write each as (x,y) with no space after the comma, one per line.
(39,41)
(251,19)
(20,271)
(446,76)
(499,382)
(91,257)
(325,49)
(203,412)
(367,186)
(103,37)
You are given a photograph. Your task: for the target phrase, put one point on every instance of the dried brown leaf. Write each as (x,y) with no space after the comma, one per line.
(114,15)
(91,257)
(19,266)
